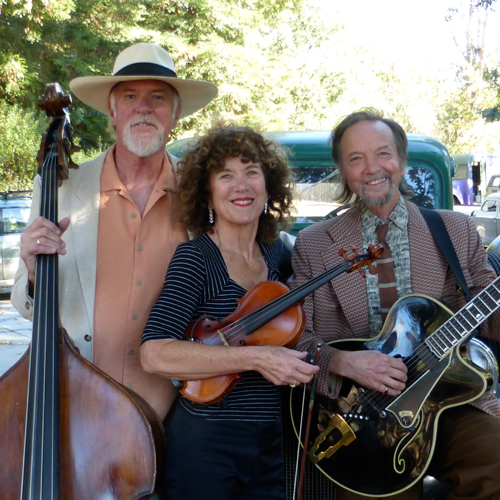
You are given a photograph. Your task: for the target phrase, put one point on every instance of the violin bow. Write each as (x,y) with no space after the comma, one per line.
(315,358)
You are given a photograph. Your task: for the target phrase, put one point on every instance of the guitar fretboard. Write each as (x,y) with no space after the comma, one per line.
(465,321)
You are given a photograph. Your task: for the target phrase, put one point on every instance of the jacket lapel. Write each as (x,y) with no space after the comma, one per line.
(350,288)
(85,225)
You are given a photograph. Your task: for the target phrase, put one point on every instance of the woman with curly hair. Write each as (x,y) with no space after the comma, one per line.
(234,191)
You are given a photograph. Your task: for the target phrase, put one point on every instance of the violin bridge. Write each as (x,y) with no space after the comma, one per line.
(347,437)
(224,341)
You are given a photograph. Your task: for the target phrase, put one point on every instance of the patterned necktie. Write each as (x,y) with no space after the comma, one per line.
(386,278)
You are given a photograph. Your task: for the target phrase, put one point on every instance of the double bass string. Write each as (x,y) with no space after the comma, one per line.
(41,466)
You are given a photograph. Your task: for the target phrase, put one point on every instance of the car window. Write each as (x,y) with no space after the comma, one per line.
(494,181)
(423,183)
(489,206)
(460,171)
(14,219)
(315,191)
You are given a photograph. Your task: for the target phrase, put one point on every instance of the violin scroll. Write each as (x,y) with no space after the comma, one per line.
(359,261)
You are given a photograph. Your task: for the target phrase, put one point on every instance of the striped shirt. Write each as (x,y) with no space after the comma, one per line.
(198,284)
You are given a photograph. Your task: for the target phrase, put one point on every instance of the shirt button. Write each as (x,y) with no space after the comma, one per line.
(140,248)
(88,338)
(133,216)
(139,282)
(134,316)
(131,352)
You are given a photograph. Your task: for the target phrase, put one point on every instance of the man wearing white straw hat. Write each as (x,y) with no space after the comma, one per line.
(118,223)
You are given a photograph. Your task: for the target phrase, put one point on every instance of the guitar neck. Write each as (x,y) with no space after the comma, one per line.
(465,321)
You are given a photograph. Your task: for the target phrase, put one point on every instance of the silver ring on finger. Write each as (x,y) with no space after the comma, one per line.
(38,242)
(386,391)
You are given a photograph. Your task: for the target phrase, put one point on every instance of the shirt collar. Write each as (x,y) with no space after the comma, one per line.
(110,179)
(399,216)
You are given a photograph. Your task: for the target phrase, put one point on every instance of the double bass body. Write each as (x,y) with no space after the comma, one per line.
(111,439)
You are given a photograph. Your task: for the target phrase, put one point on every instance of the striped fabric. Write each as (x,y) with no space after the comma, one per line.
(198,284)
(386,278)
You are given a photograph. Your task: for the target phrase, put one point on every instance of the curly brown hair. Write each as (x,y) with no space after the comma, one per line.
(208,156)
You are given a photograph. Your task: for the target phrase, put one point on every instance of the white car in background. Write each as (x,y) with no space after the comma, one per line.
(15,207)
(486,219)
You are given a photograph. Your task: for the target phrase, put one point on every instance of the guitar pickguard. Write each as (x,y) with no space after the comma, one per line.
(393,437)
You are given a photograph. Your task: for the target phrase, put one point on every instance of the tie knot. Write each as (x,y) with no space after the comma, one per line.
(382,231)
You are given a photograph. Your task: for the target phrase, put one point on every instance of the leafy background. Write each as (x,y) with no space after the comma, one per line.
(278,64)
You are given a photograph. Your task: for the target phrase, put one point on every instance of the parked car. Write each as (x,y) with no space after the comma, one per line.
(429,173)
(15,207)
(486,218)
(473,178)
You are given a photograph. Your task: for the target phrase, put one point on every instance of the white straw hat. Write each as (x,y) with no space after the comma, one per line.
(144,61)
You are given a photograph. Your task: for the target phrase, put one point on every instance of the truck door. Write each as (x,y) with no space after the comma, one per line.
(476,180)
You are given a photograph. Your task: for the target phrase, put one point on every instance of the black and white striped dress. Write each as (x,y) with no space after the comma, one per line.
(198,284)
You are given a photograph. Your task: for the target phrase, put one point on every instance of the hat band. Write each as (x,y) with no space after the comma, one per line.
(150,69)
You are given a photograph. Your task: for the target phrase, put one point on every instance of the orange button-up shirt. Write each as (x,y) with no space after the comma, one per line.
(133,254)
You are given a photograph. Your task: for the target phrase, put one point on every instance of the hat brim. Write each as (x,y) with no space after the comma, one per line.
(94,91)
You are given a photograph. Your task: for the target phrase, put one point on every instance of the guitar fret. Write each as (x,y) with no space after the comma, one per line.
(494,292)
(448,334)
(451,324)
(481,301)
(489,300)
(440,344)
(476,313)
(436,349)
(470,319)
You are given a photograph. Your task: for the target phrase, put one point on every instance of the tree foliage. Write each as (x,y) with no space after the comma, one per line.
(255,51)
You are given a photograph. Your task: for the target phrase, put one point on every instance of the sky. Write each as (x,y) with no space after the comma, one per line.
(408,33)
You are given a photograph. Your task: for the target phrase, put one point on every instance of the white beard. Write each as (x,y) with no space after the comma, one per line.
(141,144)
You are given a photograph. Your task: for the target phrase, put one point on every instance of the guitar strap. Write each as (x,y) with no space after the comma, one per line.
(443,240)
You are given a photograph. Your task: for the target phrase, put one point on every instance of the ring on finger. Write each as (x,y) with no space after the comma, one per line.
(386,391)
(38,242)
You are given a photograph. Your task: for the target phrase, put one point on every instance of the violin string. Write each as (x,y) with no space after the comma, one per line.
(252,321)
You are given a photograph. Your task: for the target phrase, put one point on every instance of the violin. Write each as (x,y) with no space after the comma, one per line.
(67,430)
(268,314)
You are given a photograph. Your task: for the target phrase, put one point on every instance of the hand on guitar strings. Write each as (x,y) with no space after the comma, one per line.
(371,369)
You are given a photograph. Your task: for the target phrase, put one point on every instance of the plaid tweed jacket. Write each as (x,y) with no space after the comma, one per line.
(339,309)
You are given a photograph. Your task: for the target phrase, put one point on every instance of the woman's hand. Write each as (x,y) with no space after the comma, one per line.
(283,366)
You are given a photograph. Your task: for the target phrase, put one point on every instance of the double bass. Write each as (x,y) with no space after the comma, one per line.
(67,430)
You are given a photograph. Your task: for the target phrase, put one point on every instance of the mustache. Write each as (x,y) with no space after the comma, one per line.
(150,120)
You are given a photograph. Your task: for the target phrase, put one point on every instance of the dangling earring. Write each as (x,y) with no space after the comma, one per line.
(210,215)
(266,204)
